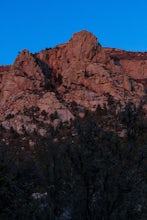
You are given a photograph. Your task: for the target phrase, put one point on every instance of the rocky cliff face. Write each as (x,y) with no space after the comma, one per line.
(44,87)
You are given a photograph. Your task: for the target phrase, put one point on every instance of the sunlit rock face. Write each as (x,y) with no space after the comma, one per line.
(43,86)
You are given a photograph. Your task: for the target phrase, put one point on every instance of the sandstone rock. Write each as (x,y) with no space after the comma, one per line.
(83,45)
(37,87)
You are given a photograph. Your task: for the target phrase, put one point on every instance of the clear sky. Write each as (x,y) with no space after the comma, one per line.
(40,24)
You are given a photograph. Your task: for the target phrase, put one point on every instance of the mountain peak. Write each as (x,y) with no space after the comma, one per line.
(84,44)
(24,55)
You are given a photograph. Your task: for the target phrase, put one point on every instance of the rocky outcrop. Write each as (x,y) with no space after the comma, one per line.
(83,64)
(42,87)
(83,46)
(4,69)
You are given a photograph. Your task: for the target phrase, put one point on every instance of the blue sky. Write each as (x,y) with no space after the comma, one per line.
(39,24)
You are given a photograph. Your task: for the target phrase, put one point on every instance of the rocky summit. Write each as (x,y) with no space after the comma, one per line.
(80,71)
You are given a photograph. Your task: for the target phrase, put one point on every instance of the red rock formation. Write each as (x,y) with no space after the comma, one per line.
(80,70)
(84,62)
